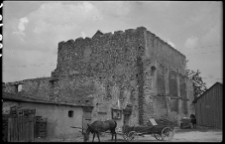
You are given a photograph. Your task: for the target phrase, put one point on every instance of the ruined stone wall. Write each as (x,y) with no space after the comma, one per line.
(11,87)
(72,57)
(116,97)
(190,91)
(113,70)
(103,71)
(111,61)
(159,97)
(133,61)
(118,72)
(100,55)
(160,51)
(36,88)
(183,95)
(169,96)
(173,96)
(76,89)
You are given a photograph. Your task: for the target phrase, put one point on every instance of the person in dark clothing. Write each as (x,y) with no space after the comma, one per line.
(193,121)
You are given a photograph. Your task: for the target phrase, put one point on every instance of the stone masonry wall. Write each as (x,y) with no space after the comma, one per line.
(100,55)
(189,91)
(160,51)
(131,67)
(169,96)
(183,94)
(76,89)
(112,61)
(117,98)
(36,88)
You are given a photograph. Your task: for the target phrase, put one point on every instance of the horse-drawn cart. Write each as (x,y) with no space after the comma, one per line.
(160,132)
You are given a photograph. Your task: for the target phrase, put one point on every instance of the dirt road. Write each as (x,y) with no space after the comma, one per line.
(198,135)
(186,135)
(191,135)
(181,135)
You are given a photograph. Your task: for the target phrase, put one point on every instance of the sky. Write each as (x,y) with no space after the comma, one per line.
(33,29)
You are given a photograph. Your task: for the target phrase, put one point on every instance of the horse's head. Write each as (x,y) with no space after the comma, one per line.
(87,132)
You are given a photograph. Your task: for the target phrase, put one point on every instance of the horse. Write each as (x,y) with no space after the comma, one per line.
(100,126)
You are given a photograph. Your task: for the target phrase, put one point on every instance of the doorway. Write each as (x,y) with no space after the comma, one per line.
(86,118)
(126,120)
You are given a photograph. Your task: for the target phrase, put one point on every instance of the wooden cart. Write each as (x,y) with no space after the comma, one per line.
(160,132)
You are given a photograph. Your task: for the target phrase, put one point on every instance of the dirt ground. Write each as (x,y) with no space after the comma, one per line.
(180,135)
(197,135)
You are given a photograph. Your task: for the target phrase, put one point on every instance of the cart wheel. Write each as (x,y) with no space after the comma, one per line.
(132,136)
(125,136)
(167,134)
(158,137)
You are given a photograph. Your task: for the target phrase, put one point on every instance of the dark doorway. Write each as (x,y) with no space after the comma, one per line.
(126,119)
(127,113)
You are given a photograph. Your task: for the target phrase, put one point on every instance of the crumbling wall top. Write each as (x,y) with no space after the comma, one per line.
(97,34)
(26,80)
(172,48)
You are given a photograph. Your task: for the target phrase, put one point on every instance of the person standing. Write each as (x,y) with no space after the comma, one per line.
(193,121)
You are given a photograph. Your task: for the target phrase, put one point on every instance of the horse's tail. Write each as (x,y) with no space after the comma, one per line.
(115,123)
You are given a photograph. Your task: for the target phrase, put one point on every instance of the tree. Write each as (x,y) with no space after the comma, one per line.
(198,84)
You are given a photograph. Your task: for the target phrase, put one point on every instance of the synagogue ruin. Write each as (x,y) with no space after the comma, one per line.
(129,75)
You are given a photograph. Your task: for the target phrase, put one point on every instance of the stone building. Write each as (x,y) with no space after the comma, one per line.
(131,75)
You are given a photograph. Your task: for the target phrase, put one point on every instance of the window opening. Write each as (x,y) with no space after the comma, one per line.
(70,113)
(153,68)
(19,87)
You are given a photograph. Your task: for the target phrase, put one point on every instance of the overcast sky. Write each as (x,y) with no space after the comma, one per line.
(32,31)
